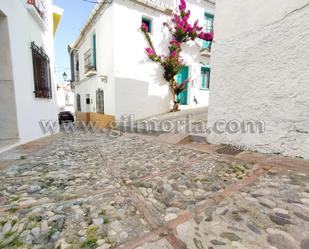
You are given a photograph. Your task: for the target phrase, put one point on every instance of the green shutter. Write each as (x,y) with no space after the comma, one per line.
(181,77)
(205,77)
(94,50)
(209,19)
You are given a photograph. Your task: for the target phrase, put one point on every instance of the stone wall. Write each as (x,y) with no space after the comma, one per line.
(260,72)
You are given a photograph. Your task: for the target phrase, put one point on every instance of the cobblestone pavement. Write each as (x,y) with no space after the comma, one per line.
(94,191)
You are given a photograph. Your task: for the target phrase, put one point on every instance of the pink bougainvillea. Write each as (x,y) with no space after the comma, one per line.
(144,27)
(181,32)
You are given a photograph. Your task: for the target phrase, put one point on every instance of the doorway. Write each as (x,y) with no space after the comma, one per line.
(181,77)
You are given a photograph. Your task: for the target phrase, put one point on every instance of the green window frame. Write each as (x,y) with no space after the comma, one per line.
(205,78)
(209,20)
(94,50)
(148,23)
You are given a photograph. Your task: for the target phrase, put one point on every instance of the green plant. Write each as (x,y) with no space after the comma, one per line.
(49,233)
(14,221)
(14,243)
(102,212)
(2,222)
(15,198)
(8,234)
(89,243)
(92,230)
(106,220)
(12,210)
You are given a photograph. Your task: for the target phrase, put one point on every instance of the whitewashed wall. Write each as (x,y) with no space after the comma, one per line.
(90,88)
(260,72)
(23,29)
(8,118)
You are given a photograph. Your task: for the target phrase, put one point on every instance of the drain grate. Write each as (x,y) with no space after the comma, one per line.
(229,150)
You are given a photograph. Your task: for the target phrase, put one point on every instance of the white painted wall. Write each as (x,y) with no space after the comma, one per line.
(90,88)
(24,29)
(8,118)
(260,72)
(65,97)
(135,84)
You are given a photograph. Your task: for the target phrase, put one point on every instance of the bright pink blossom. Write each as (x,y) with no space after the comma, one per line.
(150,51)
(144,27)
(182,5)
(206,36)
(174,54)
(175,42)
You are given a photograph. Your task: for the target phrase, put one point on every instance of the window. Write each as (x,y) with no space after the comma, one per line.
(41,73)
(90,57)
(209,19)
(88,100)
(76,67)
(78,104)
(205,78)
(100,101)
(94,51)
(148,23)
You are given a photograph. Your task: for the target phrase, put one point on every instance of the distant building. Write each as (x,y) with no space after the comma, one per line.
(113,76)
(27,89)
(65,98)
(260,73)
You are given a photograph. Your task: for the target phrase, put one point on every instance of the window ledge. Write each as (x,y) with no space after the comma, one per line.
(33,11)
(90,73)
(205,52)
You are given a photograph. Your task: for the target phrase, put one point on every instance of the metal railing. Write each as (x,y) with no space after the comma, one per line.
(89,60)
(40,7)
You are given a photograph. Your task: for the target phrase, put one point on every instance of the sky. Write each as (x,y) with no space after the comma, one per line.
(75,15)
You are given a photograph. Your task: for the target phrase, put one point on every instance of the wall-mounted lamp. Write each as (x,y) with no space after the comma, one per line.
(103,78)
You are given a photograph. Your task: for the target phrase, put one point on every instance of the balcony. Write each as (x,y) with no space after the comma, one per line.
(206,49)
(90,63)
(38,10)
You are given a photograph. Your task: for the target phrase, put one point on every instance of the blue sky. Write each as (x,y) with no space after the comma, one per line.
(74,16)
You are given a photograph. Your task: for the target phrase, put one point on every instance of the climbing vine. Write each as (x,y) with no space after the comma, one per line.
(181,32)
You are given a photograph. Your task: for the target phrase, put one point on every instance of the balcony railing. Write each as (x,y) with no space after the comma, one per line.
(89,61)
(40,7)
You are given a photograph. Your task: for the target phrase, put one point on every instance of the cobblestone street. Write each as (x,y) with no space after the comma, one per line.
(93,191)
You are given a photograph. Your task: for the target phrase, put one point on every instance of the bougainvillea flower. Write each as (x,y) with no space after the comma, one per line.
(144,27)
(182,5)
(206,36)
(150,51)
(175,42)
(174,54)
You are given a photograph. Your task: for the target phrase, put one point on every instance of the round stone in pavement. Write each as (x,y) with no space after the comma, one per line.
(304,244)
(253,228)
(279,221)
(301,216)
(279,241)
(217,242)
(230,236)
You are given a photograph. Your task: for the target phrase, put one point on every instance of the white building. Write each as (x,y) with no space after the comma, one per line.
(109,63)
(27,90)
(65,98)
(260,72)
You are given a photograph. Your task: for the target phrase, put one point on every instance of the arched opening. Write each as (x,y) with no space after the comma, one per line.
(8,117)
